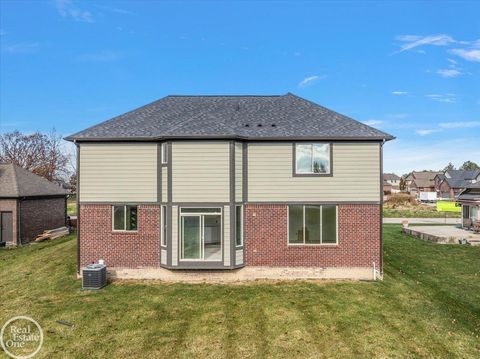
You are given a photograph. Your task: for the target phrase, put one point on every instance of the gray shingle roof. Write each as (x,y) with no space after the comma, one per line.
(17,182)
(391,177)
(236,117)
(471,193)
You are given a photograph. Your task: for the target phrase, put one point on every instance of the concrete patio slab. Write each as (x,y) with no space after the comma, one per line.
(422,220)
(443,234)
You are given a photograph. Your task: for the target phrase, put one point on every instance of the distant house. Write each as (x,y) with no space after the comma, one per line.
(421,181)
(393,180)
(469,198)
(29,204)
(453,182)
(387,187)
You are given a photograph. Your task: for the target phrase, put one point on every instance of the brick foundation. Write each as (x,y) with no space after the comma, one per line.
(119,249)
(266,238)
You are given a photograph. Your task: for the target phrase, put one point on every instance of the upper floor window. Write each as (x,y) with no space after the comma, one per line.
(124,218)
(164,152)
(312,159)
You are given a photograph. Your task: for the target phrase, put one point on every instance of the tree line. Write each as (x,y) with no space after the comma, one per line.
(44,154)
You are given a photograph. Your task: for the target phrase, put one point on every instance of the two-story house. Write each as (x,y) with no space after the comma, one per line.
(453,182)
(391,181)
(226,182)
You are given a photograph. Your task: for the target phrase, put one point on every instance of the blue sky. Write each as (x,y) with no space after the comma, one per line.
(411,69)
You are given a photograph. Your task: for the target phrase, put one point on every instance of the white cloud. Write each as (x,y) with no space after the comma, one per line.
(399,93)
(460,124)
(469,55)
(102,56)
(403,156)
(310,80)
(373,122)
(412,41)
(23,48)
(449,72)
(447,98)
(426,132)
(67,9)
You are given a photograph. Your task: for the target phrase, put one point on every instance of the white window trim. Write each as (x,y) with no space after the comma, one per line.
(199,214)
(328,173)
(241,226)
(321,232)
(124,219)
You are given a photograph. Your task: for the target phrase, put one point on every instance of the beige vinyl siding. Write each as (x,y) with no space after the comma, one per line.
(125,172)
(200,171)
(238,171)
(175,236)
(239,256)
(163,256)
(226,235)
(356,174)
(164,184)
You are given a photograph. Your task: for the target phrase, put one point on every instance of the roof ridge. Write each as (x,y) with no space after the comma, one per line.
(224,96)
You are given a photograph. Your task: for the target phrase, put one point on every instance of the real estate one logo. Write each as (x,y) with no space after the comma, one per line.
(21,337)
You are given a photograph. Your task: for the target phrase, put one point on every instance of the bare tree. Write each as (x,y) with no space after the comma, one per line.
(38,152)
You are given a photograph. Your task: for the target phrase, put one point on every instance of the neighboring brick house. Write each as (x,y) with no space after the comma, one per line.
(224,182)
(421,181)
(29,204)
(453,182)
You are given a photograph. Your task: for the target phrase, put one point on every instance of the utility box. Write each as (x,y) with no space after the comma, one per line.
(94,276)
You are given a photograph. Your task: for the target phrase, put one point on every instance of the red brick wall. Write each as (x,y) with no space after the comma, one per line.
(266,238)
(38,215)
(119,249)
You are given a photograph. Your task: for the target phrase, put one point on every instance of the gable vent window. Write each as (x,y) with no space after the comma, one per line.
(312,159)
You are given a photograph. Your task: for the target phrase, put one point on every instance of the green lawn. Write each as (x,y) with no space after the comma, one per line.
(427,306)
(72,206)
(419,212)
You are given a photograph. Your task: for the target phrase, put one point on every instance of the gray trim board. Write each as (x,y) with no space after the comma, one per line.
(232,204)
(159,172)
(121,203)
(201,204)
(245,171)
(313,202)
(294,167)
(78,208)
(169,204)
(381,207)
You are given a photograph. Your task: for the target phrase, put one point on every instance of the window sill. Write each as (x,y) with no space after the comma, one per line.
(124,232)
(312,174)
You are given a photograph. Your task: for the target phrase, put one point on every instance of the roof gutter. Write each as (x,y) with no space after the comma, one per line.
(225,137)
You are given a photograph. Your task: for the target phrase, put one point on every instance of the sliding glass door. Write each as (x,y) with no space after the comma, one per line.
(191,237)
(201,234)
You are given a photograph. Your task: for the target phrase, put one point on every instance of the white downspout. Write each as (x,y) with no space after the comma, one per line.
(374,272)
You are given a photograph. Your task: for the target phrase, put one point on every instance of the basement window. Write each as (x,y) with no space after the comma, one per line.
(124,218)
(312,224)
